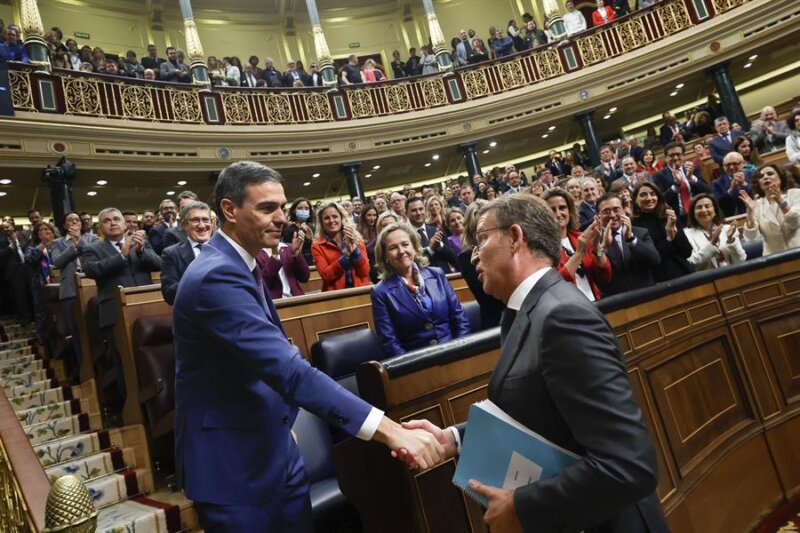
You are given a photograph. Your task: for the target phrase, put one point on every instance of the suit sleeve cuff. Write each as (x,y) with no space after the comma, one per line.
(457,436)
(370,425)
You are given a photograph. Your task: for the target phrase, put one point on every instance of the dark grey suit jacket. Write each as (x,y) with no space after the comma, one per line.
(103,263)
(174,262)
(174,236)
(560,373)
(64,257)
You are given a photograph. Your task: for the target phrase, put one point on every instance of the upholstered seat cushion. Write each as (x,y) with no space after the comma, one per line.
(340,355)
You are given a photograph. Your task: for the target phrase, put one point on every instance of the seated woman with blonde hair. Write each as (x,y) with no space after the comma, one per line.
(714,244)
(413,306)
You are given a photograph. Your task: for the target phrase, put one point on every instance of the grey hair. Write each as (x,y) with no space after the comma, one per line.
(193,205)
(234,180)
(384,270)
(534,217)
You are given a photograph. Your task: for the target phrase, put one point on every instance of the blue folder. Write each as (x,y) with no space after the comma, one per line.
(499,451)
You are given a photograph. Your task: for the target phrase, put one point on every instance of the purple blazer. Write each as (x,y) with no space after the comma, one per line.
(294,266)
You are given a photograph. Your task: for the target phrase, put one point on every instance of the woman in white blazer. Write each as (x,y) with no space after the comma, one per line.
(714,244)
(774,214)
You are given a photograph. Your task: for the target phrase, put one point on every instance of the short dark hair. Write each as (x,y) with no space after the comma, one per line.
(413,199)
(606,197)
(186,194)
(693,223)
(68,213)
(33,211)
(234,180)
(674,144)
(535,219)
(790,121)
(129,213)
(170,48)
(604,146)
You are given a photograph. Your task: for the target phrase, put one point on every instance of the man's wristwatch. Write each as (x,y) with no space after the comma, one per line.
(784,204)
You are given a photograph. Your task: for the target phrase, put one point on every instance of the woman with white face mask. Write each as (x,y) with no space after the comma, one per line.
(301,218)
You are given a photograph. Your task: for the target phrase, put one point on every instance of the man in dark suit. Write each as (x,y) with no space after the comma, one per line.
(722,143)
(177,234)
(557,166)
(15,272)
(587,209)
(729,184)
(678,181)
(123,258)
(672,130)
(175,259)
(630,249)
(314,78)
(239,382)
(168,213)
(560,373)
(435,245)
(608,167)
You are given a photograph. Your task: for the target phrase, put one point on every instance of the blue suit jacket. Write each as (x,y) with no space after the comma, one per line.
(175,260)
(403,326)
(719,147)
(730,203)
(238,385)
(587,214)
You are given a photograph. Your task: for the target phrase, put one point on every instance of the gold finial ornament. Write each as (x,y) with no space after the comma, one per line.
(69,508)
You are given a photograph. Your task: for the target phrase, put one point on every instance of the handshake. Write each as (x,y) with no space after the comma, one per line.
(418,443)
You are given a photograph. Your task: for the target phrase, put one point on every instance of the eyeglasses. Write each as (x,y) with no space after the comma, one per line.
(196,221)
(480,242)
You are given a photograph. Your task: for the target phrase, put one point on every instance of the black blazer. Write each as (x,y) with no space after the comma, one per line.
(674,254)
(103,263)
(491,307)
(174,236)
(175,260)
(444,257)
(636,268)
(560,373)
(665,180)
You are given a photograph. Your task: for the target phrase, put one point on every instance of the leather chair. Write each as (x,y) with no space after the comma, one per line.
(332,512)
(339,355)
(473,311)
(753,249)
(154,356)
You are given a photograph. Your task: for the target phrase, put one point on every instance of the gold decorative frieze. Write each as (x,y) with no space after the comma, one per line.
(674,17)
(279,109)
(475,83)
(724,5)
(317,107)
(82,96)
(361,104)
(549,64)
(592,49)
(433,92)
(632,34)
(136,102)
(397,98)
(511,74)
(185,106)
(21,96)
(237,109)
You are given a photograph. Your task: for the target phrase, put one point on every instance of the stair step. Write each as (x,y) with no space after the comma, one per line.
(58,429)
(36,386)
(15,343)
(40,399)
(34,415)
(70,448)
(113,488)
(15,352)
(24,365)
(25,378)
(139,515)
(89,467)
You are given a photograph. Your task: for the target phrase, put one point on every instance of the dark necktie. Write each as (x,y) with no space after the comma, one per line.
(199,247)
(505,323)
(616,252)
(424,237)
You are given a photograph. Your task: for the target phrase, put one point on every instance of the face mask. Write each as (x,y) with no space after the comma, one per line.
(302,215)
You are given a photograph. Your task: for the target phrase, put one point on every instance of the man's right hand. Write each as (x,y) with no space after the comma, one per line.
(444,436)
(415,447)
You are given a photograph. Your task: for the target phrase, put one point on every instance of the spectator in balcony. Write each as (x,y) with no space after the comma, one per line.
(774,215)
(621,8)
(233,70)
(752,159)
(173,69)
(768,133)
(314,77)
(111,67)
(587,210)
(649,163)
(249,78)
(351,72)
(516,36)
(270,74)
(793,139)
(678,182)
(727,186)
(398,66)
(722,143)
(301,218)
(99,60)
(502,46)
(371,73)
(671,130)
(533,36)
(603,14)
(463,47)
(73,54)
(132,67)
(257,71)
(12,49)
(291,74)
(216,72)
(152,61)
(413,306)
(651,212)
(583,261)
(478,52)
(428,60)
(149,74)
(413,66)
(714,244)
(60,60)
(574,20)
(339,252)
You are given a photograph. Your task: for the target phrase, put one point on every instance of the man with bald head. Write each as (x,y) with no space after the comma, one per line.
(768,133)
(729,184)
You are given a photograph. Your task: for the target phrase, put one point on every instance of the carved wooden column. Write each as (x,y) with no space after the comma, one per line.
(440,46)
(324,60)
(194,49)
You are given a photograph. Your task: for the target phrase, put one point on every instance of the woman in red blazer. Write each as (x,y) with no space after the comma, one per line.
(339,251)
(583,260)
(597,17)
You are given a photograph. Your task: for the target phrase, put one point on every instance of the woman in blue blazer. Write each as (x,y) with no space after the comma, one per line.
(414,305)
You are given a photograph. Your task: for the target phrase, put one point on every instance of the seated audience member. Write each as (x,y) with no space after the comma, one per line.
(649,163)
(436,247)
(629,179)
(119,258)
(12,49)
(413,306)
(727,186)
(573,187)
(66,254)
(677,181)
(175,259)
(722,142)
(775,215)
(574,21)
(301,218)
(339,253)
(793,139)
(38,257)
(621,7)
(714,244)
(384,219)
(284,268)
(537,188)
(397,203)
(546,177)
(603,14)
(513,183)
(455,226)
(173,69)
(587,209)
(434,211)
(601,184)
(490,193)
(630,249)
(752,159)
(652,213)
(168,212)
(583,259)
(768,133)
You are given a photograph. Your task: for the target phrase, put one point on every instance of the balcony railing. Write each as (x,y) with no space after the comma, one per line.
(81,94)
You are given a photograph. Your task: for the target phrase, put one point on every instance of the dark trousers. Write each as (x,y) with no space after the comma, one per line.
(67,306)
(114,362)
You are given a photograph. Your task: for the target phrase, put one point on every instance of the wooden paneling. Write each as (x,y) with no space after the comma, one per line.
(785,449)
(781,336)
(756,369)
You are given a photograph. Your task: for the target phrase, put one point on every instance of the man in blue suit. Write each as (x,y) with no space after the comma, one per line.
(196,222)
(722,143)
(239,381)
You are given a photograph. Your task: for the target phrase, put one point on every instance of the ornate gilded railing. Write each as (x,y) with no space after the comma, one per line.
(74,93)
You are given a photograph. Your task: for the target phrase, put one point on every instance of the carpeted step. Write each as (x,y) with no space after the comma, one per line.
(141,515)
(57,429)
(16,352)
(34,415)
(89,467)
(21,365)
(40,399)
(70,448)
(15,343)
(113,488)
(36,386)
(26,379)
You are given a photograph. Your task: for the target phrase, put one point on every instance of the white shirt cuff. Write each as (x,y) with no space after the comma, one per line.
(370,425)
(457,436)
